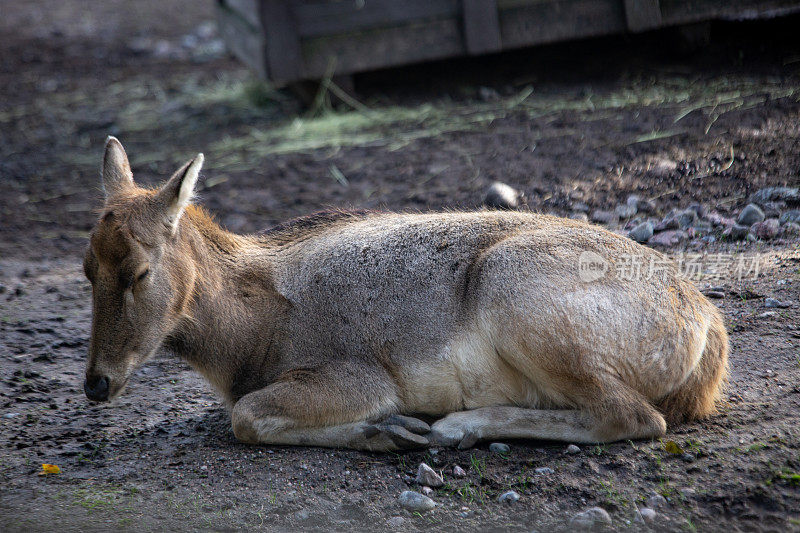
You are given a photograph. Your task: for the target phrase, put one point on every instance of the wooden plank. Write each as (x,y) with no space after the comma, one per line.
(241,39)
(388,47)
(642,15)
(560,20)
(328,18)
(248,9)
(681,12)
(281,43)
(481,26)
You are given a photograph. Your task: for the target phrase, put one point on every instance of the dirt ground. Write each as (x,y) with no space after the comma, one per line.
(576,127)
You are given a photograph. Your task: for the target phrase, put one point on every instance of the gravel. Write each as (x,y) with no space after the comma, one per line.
(459,472)
(668,238)
(766,230)
(792,215)
(767,194)
(774,303)
(502,196)
(414,501)
(737,232)
(750,215)
(499,447)
(601,216)
(656,501)
(589,518)
(642,232)
(625,211)
(645,515)
(508,497)
(428,476)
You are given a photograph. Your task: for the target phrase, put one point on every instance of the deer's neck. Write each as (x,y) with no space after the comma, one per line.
(230,321)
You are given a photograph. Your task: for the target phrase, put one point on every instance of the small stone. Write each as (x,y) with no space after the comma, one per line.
(577,215)
(488,94)
(790,229)
(414,501)
(750,215)
(641,205)
(543,470)
(656,501)
(502,196)
(642,232)
(508,497)
(767,314)
(591,517)
(699,209)
(580,206)
(600,216)
(668,238)
(766,230)
(10,415)
(395,522)
(702,227)
(572,450)
(767,194)
(459,472)
(773,209)
(720,221)
(427,491)
(499,447)
(428,476)
(668,222)
(645,515)
(625,210)
(687,493)
(688,457)
(737,232)
(790,216)
(714,294)
(776,304)
(686,218)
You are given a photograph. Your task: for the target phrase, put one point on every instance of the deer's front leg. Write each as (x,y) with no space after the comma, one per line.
(327,407)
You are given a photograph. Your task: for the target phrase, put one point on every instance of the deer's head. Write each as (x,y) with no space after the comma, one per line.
(141,273)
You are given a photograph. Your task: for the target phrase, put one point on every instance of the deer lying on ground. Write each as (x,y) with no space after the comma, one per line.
(333,329)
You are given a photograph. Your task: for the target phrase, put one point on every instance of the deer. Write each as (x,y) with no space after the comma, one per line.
(386,331)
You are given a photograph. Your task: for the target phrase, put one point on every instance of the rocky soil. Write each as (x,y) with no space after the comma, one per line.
(698,156)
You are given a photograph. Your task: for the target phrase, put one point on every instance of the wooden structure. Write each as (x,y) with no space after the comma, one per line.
(287,41)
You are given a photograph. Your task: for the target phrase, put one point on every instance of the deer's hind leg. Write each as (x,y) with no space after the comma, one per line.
(607,414)
(341,407)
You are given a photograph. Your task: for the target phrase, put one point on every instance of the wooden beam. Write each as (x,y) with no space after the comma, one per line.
(241,39)
(642,15)
(281,43)
(481,26)
(331,18)
(248,9)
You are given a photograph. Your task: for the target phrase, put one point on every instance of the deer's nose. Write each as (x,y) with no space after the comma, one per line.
(96,388)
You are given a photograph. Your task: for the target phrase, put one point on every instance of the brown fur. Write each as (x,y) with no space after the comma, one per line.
(319,328)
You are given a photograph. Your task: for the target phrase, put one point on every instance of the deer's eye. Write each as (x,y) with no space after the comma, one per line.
(143,275)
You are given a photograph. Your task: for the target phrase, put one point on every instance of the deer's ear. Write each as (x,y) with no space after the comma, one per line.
(116,172)
(176,194)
